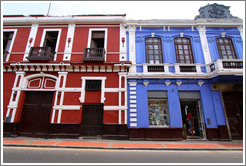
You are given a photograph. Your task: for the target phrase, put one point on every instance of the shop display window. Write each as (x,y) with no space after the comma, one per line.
(158,112)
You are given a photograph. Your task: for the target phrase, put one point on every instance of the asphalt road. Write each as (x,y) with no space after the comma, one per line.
(65,155)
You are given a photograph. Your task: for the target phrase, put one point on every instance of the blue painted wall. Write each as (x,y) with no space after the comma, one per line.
(167,38)
(212,110)
(233,33)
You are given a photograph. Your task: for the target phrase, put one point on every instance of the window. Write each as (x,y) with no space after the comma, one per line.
(93,85)
(158,109)
(153,50)
(97,39)
(51,39)
(7,38)
(226,48)
(183,50)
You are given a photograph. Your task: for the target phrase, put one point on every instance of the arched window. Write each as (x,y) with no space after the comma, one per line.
(226,48)
(183,50)
(153,50)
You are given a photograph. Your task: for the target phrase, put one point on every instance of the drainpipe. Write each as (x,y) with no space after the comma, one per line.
(227,123)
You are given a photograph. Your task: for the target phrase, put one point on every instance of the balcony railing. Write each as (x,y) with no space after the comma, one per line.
(156,69)
(41,54)
(5,54)
(187,68)
(226,65)
(94,54)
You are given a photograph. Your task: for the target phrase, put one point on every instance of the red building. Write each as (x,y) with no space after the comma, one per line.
(65,76)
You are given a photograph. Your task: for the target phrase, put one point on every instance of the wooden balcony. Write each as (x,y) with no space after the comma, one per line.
(94,54)
(41,54)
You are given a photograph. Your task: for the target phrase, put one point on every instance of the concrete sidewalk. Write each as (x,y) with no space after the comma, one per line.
(126,144)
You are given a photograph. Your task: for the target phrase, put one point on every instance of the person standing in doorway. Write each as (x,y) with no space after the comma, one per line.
(189,122)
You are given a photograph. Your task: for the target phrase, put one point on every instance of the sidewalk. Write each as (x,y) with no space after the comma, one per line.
(126,144)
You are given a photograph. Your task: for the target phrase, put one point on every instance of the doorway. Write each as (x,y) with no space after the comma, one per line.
(192,118)
(192,115)
(233,102)
(92,120)
(35,118)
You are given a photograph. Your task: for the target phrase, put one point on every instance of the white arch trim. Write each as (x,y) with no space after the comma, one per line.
(27,78)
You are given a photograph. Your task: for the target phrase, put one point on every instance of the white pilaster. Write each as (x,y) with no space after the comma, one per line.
(122,45)
(205,48)
(69,42)
(32,37)
(241,32)
(132,53)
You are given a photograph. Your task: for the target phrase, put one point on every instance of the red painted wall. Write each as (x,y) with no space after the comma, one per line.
(20,42)
(81,41)
(8,82)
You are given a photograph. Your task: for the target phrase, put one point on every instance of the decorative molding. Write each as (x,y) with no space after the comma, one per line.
(200,83)
(146,83)
(43,67)
(167,83)
(223,34)
(178,83)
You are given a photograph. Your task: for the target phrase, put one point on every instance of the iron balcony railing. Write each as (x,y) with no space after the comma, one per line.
(41,54)
(94,54)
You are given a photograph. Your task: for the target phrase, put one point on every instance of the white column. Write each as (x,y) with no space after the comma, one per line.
(241,32)
(132,53)
(122,46)
(69,42)
(205,48)
(32,36)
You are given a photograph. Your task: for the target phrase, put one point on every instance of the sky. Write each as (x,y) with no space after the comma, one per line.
(133,9)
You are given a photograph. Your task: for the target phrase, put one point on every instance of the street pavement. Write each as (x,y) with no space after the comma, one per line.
(124,144)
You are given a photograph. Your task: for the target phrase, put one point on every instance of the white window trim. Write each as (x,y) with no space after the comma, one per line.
(105,38)
(12,41)
(82,97)
(57,42)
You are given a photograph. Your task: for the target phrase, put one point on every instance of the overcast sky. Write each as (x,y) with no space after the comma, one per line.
(132,9)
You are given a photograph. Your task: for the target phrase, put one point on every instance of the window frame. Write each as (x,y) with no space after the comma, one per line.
(12,42)
(189,48)
(231,46)
(160,55)
(57,41)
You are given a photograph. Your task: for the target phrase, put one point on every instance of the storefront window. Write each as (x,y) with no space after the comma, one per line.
(158,109)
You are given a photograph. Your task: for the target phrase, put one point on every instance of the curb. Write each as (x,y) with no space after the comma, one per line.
(124,148)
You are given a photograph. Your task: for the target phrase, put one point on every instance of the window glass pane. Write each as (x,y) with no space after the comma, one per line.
(157,57)
(158,112)
(186,52)
(157,52)
(222,47)
(185,47)
(151,57)
(180,47)
(228,47)
(223,52)
(156,46)
(180,51)
(178,40)
(226,41)
(151,61)
(150,51)
(150,46)
(157,61)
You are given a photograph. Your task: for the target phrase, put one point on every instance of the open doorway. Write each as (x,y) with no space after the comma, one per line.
(192,115)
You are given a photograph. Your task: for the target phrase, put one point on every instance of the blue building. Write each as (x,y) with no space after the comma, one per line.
(186,78)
